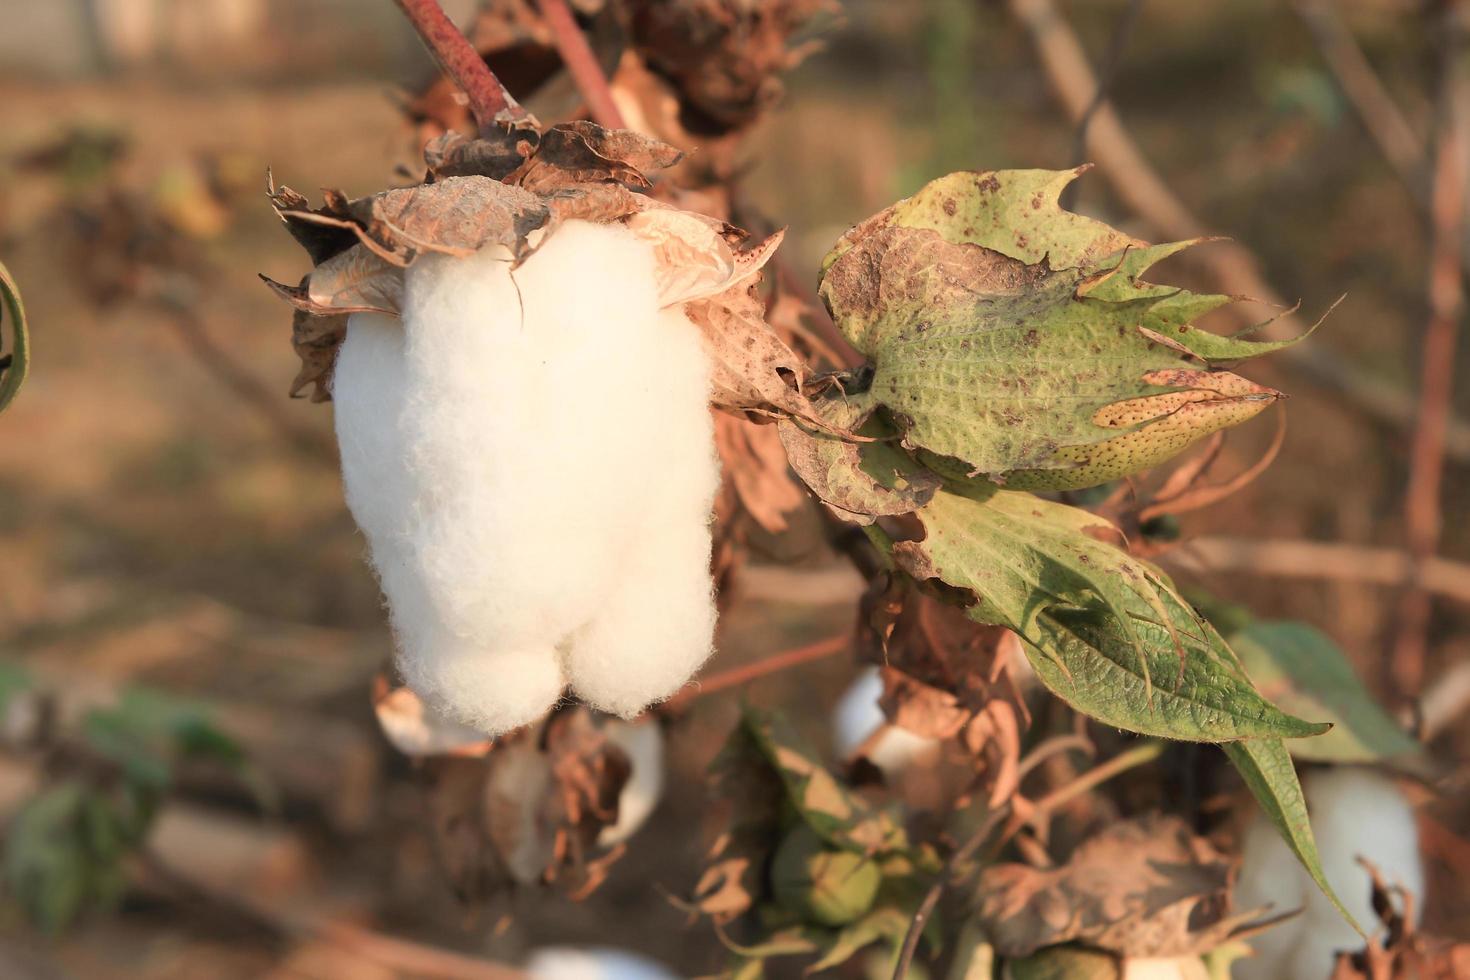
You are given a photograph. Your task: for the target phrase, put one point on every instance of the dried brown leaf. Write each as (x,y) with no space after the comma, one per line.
(316,340)
(584,153)
(752,367)
(1142,888)
(754,460)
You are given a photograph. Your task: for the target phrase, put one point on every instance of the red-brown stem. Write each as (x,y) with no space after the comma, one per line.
(736,676)
(582,63)
(489,101)
(1422,512)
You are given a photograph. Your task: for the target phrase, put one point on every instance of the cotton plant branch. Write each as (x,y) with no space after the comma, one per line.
(1322,560)
(581,63)
(745,673)
(1234,269)
(490,103)
(1423,515)
(1386,125)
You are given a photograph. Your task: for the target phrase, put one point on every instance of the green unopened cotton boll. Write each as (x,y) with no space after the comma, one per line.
(823,884)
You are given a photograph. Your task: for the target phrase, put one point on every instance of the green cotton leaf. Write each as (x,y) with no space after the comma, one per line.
(1019,340)
(13,373)
(1105,632)
(1302,670)
(837,814)
(1266,767)
(884,922)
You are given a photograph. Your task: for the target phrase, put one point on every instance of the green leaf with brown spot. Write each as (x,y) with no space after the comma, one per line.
(1266,767)
(13,369)
(1018,339)
(1105,632)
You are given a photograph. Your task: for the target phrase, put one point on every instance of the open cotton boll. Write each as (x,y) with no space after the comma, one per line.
(1354,812)
(1269,875)
(531,458)
(643,742)
(567,963)
(1171,968)
(858,717)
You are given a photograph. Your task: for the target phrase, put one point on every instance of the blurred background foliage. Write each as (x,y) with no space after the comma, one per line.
(168,520)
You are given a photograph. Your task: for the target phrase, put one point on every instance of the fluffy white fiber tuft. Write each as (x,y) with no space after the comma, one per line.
(531,458)
(1354,811)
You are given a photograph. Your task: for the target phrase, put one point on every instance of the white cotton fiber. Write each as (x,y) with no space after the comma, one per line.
(1354,812)
(858,717)
(643,742)
(531,458)
(568,963)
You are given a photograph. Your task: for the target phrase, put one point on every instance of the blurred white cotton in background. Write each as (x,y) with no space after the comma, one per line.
(567,963)
(643,741)
(1354,812)
(858,717)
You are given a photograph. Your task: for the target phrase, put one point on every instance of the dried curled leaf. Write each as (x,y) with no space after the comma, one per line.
(316,340)
(859,481)
(1142,888)
(501,188)
(1017,339)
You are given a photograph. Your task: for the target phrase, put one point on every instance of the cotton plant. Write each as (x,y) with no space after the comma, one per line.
(522,410)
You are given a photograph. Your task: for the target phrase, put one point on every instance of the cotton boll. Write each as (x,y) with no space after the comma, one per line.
(643,742)
(1354,811)
(858,717)
(566,963)
(532,461)
(1269,875)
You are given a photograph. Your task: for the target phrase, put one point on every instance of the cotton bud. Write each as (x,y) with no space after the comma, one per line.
(859,726)
(1355,812)
(529,453)
(822,884)
(643,742)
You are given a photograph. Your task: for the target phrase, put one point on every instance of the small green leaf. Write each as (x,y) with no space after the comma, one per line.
(1302,670)
(1266,767)
(1106,632)
(837,814)
(13,374)
(1019,340)
(884,922)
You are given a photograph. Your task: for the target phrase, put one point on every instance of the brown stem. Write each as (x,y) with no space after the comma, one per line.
(736,676)
(490,103)
(936,890)
(1322,561)
(1422,512)
(582,63)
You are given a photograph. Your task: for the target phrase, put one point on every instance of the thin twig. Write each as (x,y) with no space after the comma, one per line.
(936,890)
(1422,505)
(1233,268)
(1057,744)
(246,386)
(1137,756)
(581,62)
(490,103)
(1322,560)
(736,676)
(1112,61)
(398,955)
(1376,109)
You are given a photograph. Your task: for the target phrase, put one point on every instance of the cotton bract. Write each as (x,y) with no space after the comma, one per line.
(530,455)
